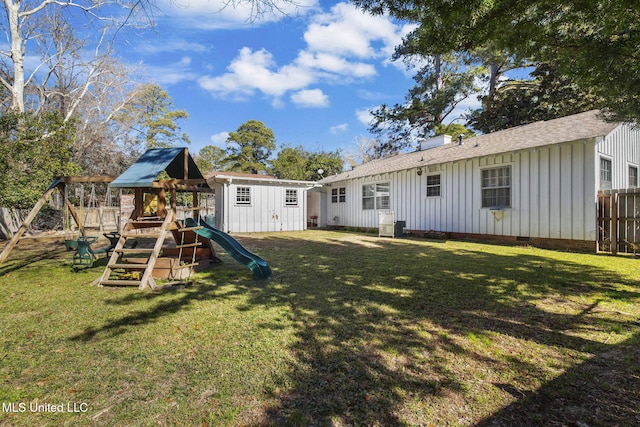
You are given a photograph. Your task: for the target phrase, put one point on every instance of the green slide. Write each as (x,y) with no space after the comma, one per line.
(259,267)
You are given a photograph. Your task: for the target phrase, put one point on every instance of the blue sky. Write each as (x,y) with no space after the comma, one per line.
(311,76)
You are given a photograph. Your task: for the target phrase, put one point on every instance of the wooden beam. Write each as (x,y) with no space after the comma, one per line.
(171,185)
(25,225)
(138,199)
(185,151)
(162,203)
(87,179)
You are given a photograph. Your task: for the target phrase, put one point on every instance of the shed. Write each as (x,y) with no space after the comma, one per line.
(257,203)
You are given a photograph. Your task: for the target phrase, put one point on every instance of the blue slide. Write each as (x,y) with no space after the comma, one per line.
(259,267)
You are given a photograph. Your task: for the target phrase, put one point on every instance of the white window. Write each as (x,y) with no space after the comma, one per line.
(496,187)
(375,196)
(291,197)
(433,186)
(605,174)
(243,195)
(342,192)
(339,195)
(633,176)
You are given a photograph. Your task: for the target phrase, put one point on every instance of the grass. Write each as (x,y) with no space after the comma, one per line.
(351,330)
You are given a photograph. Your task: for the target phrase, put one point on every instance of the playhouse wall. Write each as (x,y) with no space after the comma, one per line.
(552,196)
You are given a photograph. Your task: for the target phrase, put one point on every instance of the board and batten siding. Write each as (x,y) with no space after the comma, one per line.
(266,212)
(553,195)
(622,147)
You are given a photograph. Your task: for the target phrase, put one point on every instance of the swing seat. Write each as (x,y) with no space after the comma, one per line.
(71,244)
(113,237)
(84,255)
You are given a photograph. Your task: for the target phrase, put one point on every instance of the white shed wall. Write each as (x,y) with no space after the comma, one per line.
(267,211)
(552,196)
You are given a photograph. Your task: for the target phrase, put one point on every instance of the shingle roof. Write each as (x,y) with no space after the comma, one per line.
(571,128)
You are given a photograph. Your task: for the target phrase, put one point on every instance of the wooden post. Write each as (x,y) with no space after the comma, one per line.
(162,203)
(138,209)
(174,201)
(25,225)
(614,223)
(195,213)
(186,164)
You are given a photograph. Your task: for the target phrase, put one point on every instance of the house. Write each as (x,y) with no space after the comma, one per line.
(536,183)
(255,203)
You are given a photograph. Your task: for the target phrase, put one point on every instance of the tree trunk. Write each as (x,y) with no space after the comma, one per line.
(17,55)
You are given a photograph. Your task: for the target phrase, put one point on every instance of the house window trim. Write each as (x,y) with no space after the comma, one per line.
(433,186)
(600,181)
(339,195)
(510,187)
(376,196)
(248,195)
(287,203)
(629,167)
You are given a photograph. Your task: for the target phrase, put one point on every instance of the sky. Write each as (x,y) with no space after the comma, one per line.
(311,74)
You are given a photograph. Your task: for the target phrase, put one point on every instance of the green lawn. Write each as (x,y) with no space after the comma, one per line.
(351,330)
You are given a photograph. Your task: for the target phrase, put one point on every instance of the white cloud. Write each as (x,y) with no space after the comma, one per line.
(251,71)
(224,14)
(170,73)
(347,30)
(343,46)
(152,47)
(364,116)
(219,139)
(334,64)
(334,130)
(310,98)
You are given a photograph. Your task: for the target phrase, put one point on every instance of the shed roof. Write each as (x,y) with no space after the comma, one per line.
(220,177)
(571,128)
(154,161)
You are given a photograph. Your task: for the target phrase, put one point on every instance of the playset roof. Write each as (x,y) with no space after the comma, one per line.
(146,169)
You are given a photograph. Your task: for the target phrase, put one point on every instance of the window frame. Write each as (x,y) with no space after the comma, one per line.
(339,195)
(609,161)
(434,186)
(629,176)
(246,196)
(291,202)
(496,191)
(380,197)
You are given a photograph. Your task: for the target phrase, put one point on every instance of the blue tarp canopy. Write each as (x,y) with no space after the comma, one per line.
(156,160)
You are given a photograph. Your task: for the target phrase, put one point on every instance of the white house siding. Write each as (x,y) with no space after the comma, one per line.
(552,195)
(622,146)
(267,211)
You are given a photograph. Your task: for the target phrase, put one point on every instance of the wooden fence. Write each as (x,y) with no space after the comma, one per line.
(619,221)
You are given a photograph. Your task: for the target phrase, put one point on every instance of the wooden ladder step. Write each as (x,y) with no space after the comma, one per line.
(195,264)
(128,266)
(185,229)
(146,224)
(134,250)
(133,235)
(189,245)
(121,282)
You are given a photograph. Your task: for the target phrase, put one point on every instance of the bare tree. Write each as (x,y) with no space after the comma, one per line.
(43,26)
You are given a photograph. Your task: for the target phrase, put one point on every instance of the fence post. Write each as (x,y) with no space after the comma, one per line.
(614,223)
